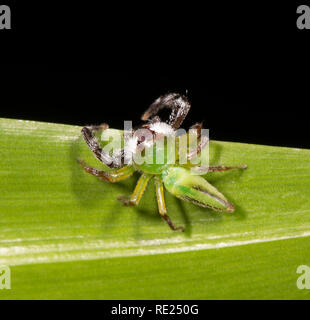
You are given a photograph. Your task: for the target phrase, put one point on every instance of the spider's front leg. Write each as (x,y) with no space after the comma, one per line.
(178,104)
(93,145)
(162,205)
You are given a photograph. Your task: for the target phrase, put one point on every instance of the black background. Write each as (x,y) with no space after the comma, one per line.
(243,66)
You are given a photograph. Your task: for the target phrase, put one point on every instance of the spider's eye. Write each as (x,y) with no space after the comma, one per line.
(141,139)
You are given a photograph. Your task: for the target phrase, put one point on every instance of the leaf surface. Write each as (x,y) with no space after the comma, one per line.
(66,236)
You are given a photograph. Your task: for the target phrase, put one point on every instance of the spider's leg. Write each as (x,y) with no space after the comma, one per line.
(141,185)
(203,169)
(95,148)
(162,205)
(225,168)
(203,141)
(178,104)
(114,176)
(198,127)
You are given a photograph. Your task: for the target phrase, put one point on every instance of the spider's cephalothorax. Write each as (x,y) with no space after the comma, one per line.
(176,178)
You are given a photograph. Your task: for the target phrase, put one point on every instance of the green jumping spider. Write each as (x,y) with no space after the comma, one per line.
(177,178)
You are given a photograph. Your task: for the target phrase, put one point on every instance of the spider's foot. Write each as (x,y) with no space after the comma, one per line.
(171,225)
(126,202)
(181,228)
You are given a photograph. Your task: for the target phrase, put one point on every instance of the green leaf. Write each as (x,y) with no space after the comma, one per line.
(65,236)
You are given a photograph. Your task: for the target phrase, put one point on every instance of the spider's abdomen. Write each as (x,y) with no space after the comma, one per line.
(193,188)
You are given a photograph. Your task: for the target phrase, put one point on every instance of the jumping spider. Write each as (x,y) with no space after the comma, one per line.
(176,178)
